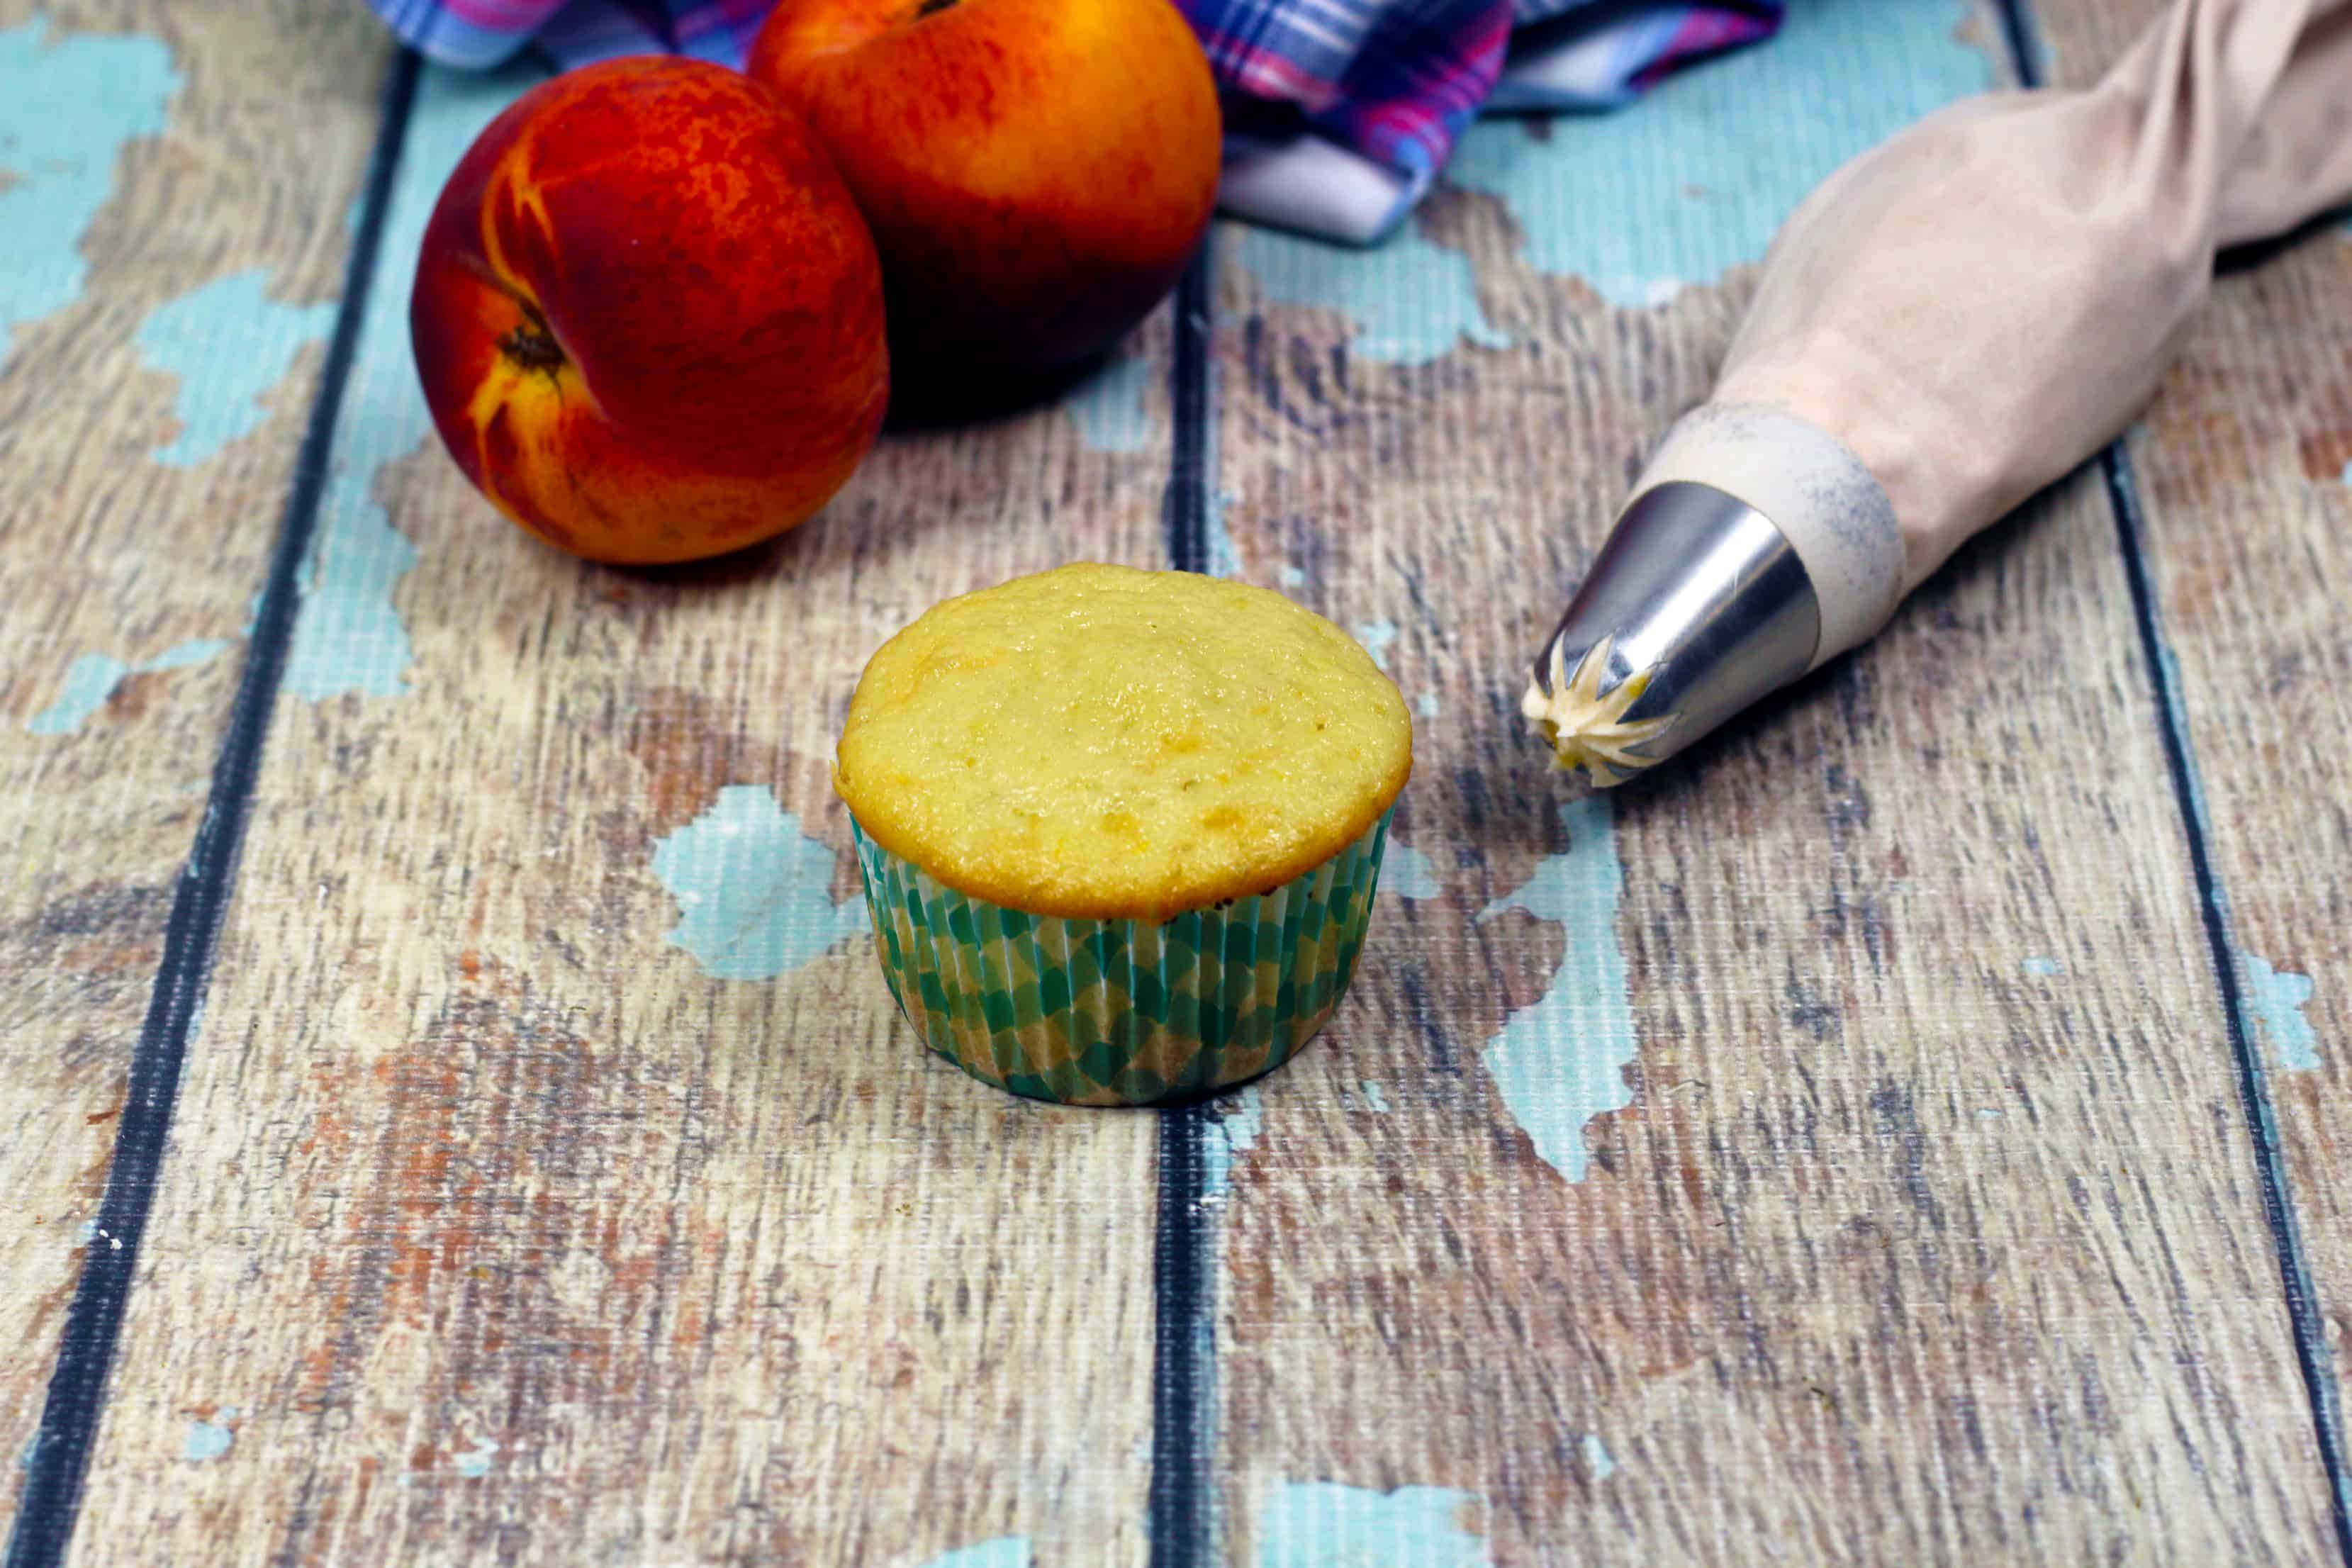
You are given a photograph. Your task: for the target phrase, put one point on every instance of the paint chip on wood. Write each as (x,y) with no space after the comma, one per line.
(1410,300)
(89,680)
(1108,409)
(1561,1061)
(1326,1524)
(209,1440)
(1230,1133)
(2277,998)
(754,889)
(1376,637)
(1407,873)
(348,635)
(1682,189)
(92,678)
(69,105)
(1224,557)
(1004,1551)
(228,342)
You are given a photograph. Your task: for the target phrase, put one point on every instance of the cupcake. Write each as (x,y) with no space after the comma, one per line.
(1120,830)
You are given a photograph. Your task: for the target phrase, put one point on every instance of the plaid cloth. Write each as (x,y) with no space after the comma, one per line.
(477,33)
(1340,111)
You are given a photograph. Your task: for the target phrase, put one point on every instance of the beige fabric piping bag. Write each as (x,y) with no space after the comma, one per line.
(1963,315)
(1979,304)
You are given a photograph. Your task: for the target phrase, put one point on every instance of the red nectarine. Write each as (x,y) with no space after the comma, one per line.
(647,316)
(1036,172)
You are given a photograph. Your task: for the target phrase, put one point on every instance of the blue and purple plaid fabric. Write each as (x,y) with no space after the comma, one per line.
(1348,108)
(477,33)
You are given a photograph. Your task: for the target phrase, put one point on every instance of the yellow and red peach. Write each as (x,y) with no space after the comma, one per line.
(647,315)
(1036,172)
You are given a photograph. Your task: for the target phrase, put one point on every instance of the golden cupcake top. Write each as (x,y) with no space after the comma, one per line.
(1099,741)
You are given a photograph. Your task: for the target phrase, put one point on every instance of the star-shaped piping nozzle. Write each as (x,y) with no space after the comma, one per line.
(1585,727)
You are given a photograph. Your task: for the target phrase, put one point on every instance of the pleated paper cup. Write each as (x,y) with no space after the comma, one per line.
(1090,1012)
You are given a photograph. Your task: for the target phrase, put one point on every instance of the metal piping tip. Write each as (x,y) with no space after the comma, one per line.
(1697,606)
(1587,727)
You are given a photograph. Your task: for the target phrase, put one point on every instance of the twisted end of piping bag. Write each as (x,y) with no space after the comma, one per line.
(1754,548)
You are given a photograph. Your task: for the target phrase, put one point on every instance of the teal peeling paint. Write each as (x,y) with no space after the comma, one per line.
(228,343)
(2348,468)
(1376,637)
(1639,204)
(1427,705)
(2277,996)
(209,1440)
(90,681)
(1324,1525)
(347,637)
(1225,556)
(69,104)
(1004,1551)
(2042,967)
(1559,1061)
(1108,407)
(753,888)
(1407,873)
(94,677)
(474,1463)
(1374,1096)
(1410,301)
(1228,1136)
(183,655)
(1698,178)
(1291,577)
(1597,1458)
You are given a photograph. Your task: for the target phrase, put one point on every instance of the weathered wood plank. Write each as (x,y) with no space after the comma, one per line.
(174,246)
(553,1181)
(1826,1152)
(2243,477)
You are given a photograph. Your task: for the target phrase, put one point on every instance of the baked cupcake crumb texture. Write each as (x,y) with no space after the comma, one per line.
(1105,742)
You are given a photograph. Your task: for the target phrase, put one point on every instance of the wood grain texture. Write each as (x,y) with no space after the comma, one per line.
(127,575)
(1931,1231)
(495,1226)
(2243,471)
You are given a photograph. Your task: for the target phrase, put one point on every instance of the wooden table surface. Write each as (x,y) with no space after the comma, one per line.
(449,1113)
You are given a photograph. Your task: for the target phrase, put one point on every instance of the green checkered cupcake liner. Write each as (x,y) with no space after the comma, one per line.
(1121,1012)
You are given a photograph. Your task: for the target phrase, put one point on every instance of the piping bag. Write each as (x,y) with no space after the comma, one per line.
(1948,323)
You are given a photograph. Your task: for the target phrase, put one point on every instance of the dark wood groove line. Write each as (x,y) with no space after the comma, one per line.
(1185,509)
(49,1498)
(1181,1499)
(2311,1354)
